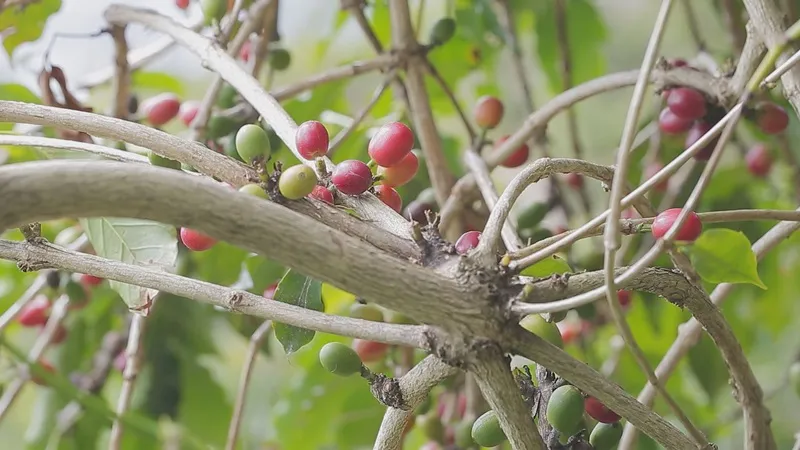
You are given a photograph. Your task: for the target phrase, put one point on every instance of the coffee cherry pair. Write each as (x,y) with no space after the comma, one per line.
(487,114)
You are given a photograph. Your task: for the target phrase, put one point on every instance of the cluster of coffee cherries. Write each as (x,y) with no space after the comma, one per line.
(565,410)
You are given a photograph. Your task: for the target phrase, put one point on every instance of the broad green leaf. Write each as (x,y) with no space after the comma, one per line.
(532,215)
(586,35)
(25,24)
(708,367)
(546,267)
(17,92)
(204,408)
(157,81)
(721,255)
(133,241)
(221,264)
(263,272)
(300,290)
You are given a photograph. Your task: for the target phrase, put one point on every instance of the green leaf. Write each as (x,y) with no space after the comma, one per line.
(708,366)
(546,267)
(532,215)
(300,290)
(157,81)
(586,35)
(204,408)
(221,264)
(26,24)
(133,241)
(18,92)
(721,255)
(263,272)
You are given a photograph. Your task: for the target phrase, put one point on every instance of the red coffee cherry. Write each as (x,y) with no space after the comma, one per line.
(488,112)
(188,111)
(570,331)
(90,281)
(35,312)
(390,197)
(651,170)
(691,229)
(352,177)
(370,351)
(679,62)
(574,180)
(516,159)
(698,130)
(161,109)
(415,211)
(759,161)
(195,240)
(269,292)
(771,118)
(401,173)
(322,193)
(467,242)
(686,103)
(244,52)
(599,411)
(182,4)
(391,144)
(624,298)
(669,123)
(311,139)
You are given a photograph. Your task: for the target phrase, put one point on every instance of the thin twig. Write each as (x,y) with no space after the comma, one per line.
(63,144)
(122,75)
(452,96)
(132,362)
(269,26)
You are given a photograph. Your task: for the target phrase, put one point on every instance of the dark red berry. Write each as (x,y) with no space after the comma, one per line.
(691,229)
(651,170)
(322,193)
(669,123)
(90,281)
(488,112)
(195,240)
(416,211)
(570,331)
(370,351)
(599,411)
(771,118)
(188,111)
(467,242)
(391,144)
(624,298)
(390,197)
(679,62)
(574,180)
(161,109)
(244,52)
(515,159)
(401,173)
(698,130)
(35,312)
(311,139)
(182,4)
(352,177)
(759,161)
(686,103)
(269,292)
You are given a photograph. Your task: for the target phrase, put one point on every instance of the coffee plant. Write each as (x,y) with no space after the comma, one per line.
(289,258)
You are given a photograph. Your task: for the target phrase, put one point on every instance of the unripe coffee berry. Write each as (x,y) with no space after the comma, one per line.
(339,359)
(515,159)
(565,409)
(545,330)
(352,177)
(252,143)
(297,181)
(486,430)
(431,426)
(390,197)
(467,242)
(311,139)
(391,144)
(322,193)
(599,411)
(689,231)
(366,312)
(488,112)
(442,31)
(401,173)
(253,189)
(213,10)
(195,240)
(606,436)
(279,59)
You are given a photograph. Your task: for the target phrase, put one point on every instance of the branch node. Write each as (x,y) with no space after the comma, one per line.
(33,233)
(387,391)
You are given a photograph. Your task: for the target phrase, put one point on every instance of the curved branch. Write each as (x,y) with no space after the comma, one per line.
(48,255)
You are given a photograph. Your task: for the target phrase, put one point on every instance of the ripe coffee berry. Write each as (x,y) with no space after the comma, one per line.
(90,281)
(691,229)
(161,109)
(651,170)
(624,298)
(182,4)
(669,123)
(599,411)
(686,103)
(698,130)
(771,118)
(311,139)
(297,181)
(35,312)
(352,177)
(196,241)
(244,52)
(467,242)
(570,331)
(390,197)
(416,211)
(517,158)
(488,112)
(370,351)
(188,111)
(322,193)
(401,173)
(759,161)
(269,292)
(390,144)
(574,180)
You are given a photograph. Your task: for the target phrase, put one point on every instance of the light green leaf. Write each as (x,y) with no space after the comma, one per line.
(26,24)
(17,92)
(531,216)
(300,290)
(157,81)
(133,241)
(546,267)
(721,255)
(586,34)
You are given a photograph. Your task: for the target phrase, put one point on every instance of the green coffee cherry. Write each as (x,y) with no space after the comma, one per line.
(160,161)
(253,189)
(431,426)
(794,377)
(227,96)
(230,148)
(565,409)
(463,434)
(75,292)
(366,312)
(297,181)
(252,143)
(339,359)
(213,10)
(545,330)
(219,126)
(486,430)
(442,31)
(279,59)
(400,319)
(606,436)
